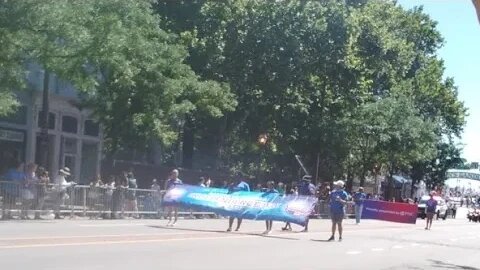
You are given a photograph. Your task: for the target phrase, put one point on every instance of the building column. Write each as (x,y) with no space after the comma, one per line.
(57,142)
(78,161)
(31,134)
(99,157)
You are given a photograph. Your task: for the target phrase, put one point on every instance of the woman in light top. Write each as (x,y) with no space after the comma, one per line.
(172,181)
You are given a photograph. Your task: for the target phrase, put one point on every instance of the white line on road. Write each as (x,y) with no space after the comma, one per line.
(397,247)
(112,225)
(353,252)
(454,239)
(122,242)
(414,244)
(89,236)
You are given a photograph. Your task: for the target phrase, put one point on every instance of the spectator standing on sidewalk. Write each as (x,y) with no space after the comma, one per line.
(157,196)
(43,181)
(118,197)
(14,178)
(131,204)
(359,197)
(60,187)
(29,189)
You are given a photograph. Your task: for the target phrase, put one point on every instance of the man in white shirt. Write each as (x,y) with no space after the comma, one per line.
(60,187)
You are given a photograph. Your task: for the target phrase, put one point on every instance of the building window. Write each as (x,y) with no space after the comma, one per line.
(51,120)
(19,117)
(69,124)
(91,128)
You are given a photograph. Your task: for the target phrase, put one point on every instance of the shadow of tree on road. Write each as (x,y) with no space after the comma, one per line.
(444,265)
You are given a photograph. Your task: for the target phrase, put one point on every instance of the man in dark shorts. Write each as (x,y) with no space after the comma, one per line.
(430,209)
(338,199)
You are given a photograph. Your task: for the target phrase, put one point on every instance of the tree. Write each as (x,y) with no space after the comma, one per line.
(127,68)
(302,69)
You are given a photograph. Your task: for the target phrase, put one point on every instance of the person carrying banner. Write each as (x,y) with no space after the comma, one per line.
(172,182)
(359,197)
(239,185)
(431,207)
(270,189)
(306,188)
(338,199)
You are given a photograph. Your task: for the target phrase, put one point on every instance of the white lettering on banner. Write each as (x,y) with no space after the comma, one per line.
(234,202)
(401,213)
(10,135)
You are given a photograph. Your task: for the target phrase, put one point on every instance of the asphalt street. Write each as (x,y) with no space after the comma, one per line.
(204,244)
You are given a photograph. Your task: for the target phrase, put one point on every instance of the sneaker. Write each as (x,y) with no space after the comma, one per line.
(332,238)
(229,229)
(340,239)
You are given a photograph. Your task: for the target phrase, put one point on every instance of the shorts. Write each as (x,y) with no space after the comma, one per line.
(337,217)
(430,214)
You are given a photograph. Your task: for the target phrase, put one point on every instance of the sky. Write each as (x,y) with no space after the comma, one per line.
(460,28)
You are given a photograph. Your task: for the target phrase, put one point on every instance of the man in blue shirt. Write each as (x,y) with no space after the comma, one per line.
(359,197)
(306,188)
(239,185)
(338,199)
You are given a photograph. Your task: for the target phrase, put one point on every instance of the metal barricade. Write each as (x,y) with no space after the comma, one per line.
(20,201)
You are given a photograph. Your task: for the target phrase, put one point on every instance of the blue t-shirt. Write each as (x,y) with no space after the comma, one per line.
(306,188)
(14,176)
(337,207)
(431,205)
(359,197)
(171,183)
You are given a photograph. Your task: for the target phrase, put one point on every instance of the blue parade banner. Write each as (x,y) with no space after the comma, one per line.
(243,204)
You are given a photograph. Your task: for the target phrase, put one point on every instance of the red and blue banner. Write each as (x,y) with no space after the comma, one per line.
(390,211)
(243,204)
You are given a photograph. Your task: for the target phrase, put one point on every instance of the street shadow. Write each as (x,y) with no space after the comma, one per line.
(222,232)
(321,240)
(444,265)
(185,229)
(274,236)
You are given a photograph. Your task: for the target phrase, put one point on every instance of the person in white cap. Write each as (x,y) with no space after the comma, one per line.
(338,199)
(60,187)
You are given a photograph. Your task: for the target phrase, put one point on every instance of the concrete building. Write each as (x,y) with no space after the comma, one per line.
(75,139)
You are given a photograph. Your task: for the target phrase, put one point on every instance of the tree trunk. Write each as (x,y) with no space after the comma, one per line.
(219,151)
(43,147)
(390,186)
(349,181)
(362,178)
(188,143)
